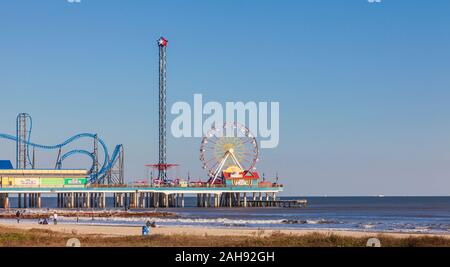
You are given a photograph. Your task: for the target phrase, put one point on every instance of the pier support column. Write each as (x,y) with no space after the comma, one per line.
(182,200)
(245,200)
(156,199)
(125,203)
(131,199)
(161,199)
(144,200)
(166,200)
(39,201)
(6,201)
(104,201)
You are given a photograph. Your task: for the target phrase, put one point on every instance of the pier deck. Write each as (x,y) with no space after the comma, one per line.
(275,203)
(140,197)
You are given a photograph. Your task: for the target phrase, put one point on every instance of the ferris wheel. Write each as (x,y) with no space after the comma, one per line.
(230,145)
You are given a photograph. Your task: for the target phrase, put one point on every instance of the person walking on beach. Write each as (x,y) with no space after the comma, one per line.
(55,218)
(18,216)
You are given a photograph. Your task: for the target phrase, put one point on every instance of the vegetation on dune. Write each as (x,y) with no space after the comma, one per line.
(47,238)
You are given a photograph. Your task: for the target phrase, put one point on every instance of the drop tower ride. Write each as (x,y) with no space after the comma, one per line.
(162,163)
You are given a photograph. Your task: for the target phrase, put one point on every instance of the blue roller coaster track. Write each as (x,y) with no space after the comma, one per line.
(95,177)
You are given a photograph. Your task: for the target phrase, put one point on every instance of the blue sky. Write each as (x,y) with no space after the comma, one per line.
(363,88)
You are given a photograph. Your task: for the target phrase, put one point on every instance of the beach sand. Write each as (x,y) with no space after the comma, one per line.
(111,231)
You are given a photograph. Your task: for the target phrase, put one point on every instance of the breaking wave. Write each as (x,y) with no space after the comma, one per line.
(204,222)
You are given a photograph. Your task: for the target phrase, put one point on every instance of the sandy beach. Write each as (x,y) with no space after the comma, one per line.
(111,231)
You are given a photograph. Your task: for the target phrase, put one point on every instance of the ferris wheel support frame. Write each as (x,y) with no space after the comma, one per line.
(222,163)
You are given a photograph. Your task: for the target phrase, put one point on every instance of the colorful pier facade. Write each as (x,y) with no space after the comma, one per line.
(137,197)
(72,191)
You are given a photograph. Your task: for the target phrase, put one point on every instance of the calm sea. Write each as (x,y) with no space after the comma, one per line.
(387,214)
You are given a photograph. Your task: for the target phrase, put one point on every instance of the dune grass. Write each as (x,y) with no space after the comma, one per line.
(46,238)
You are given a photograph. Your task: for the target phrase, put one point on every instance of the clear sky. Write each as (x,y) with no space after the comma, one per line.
(364,89)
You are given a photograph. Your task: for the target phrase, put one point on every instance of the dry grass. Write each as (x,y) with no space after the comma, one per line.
(47,238)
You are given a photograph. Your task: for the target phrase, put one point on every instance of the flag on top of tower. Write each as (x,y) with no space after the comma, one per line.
(162,41)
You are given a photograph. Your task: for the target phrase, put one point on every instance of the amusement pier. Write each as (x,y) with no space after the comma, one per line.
(228,154)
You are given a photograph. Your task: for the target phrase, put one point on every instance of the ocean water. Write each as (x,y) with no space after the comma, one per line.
(384,214)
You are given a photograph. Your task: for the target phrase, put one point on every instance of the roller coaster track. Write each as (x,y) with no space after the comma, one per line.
(108,162)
